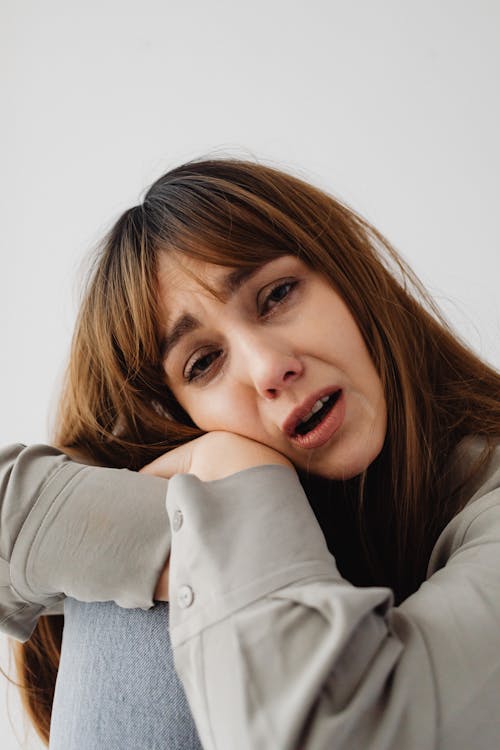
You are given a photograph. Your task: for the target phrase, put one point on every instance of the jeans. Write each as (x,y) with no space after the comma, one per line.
(117,688)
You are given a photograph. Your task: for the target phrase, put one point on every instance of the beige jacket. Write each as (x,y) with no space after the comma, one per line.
(67,529)
(276,651)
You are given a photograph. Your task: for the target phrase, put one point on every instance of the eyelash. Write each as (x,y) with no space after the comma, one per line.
(190,376)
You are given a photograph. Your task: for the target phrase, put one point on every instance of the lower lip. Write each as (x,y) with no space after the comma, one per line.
(325,429)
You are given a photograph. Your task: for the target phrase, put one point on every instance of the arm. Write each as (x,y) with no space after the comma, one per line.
(276,651)
(67,529)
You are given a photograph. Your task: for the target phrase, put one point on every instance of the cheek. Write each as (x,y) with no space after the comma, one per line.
(216,410)
(337,339)
(327,324)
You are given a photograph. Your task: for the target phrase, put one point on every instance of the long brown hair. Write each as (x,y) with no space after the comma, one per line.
(117,411)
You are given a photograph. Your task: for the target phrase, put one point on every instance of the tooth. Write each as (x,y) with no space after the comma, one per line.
(317,406)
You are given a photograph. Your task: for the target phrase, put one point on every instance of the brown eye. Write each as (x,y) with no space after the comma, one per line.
(200,366)
(278,295)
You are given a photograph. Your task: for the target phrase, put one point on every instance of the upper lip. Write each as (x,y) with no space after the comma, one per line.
(305,407)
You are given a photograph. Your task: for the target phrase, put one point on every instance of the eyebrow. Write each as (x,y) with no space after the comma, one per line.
(187,323)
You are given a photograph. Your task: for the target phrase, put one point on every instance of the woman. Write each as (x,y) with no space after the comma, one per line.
(331,451)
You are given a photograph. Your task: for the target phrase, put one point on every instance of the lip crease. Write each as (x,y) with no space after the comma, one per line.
(300,412)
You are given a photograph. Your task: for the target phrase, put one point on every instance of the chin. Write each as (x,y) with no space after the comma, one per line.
(352,460)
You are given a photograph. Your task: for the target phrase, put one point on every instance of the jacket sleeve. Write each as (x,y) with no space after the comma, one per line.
(68,529)
(276,651)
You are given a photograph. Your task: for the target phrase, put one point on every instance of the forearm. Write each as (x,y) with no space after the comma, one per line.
(93,533)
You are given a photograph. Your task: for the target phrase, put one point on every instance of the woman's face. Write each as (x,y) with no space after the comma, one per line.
(257,362)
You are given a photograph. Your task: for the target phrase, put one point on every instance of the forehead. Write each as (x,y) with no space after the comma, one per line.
(179,276)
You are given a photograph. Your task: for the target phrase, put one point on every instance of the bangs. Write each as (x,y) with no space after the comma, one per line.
(218,222)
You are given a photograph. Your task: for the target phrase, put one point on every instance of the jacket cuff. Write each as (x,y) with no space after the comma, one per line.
(237,539)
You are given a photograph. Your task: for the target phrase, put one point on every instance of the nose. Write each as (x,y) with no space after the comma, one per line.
(268,364)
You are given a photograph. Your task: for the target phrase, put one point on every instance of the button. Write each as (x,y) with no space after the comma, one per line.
(185,596)
(177,520)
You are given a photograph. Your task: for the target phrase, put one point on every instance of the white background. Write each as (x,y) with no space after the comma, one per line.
(391,105)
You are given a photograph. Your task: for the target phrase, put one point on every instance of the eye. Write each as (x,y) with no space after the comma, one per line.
(200,366)
(278,295)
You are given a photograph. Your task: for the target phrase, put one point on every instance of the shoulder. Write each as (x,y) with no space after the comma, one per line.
(478,523)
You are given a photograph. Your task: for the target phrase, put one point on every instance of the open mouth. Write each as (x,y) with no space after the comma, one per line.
(306,425)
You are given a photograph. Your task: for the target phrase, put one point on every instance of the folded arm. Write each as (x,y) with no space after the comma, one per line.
(276,650)
(68,529)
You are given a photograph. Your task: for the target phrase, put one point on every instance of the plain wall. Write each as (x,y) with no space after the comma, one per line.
(392,106)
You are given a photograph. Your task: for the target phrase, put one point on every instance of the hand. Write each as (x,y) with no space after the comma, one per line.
(213,456)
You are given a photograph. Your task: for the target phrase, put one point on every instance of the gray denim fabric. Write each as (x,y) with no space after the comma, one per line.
(117,688)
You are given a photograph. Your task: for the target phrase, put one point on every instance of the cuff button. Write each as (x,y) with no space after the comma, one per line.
(185,596)
(177,520)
